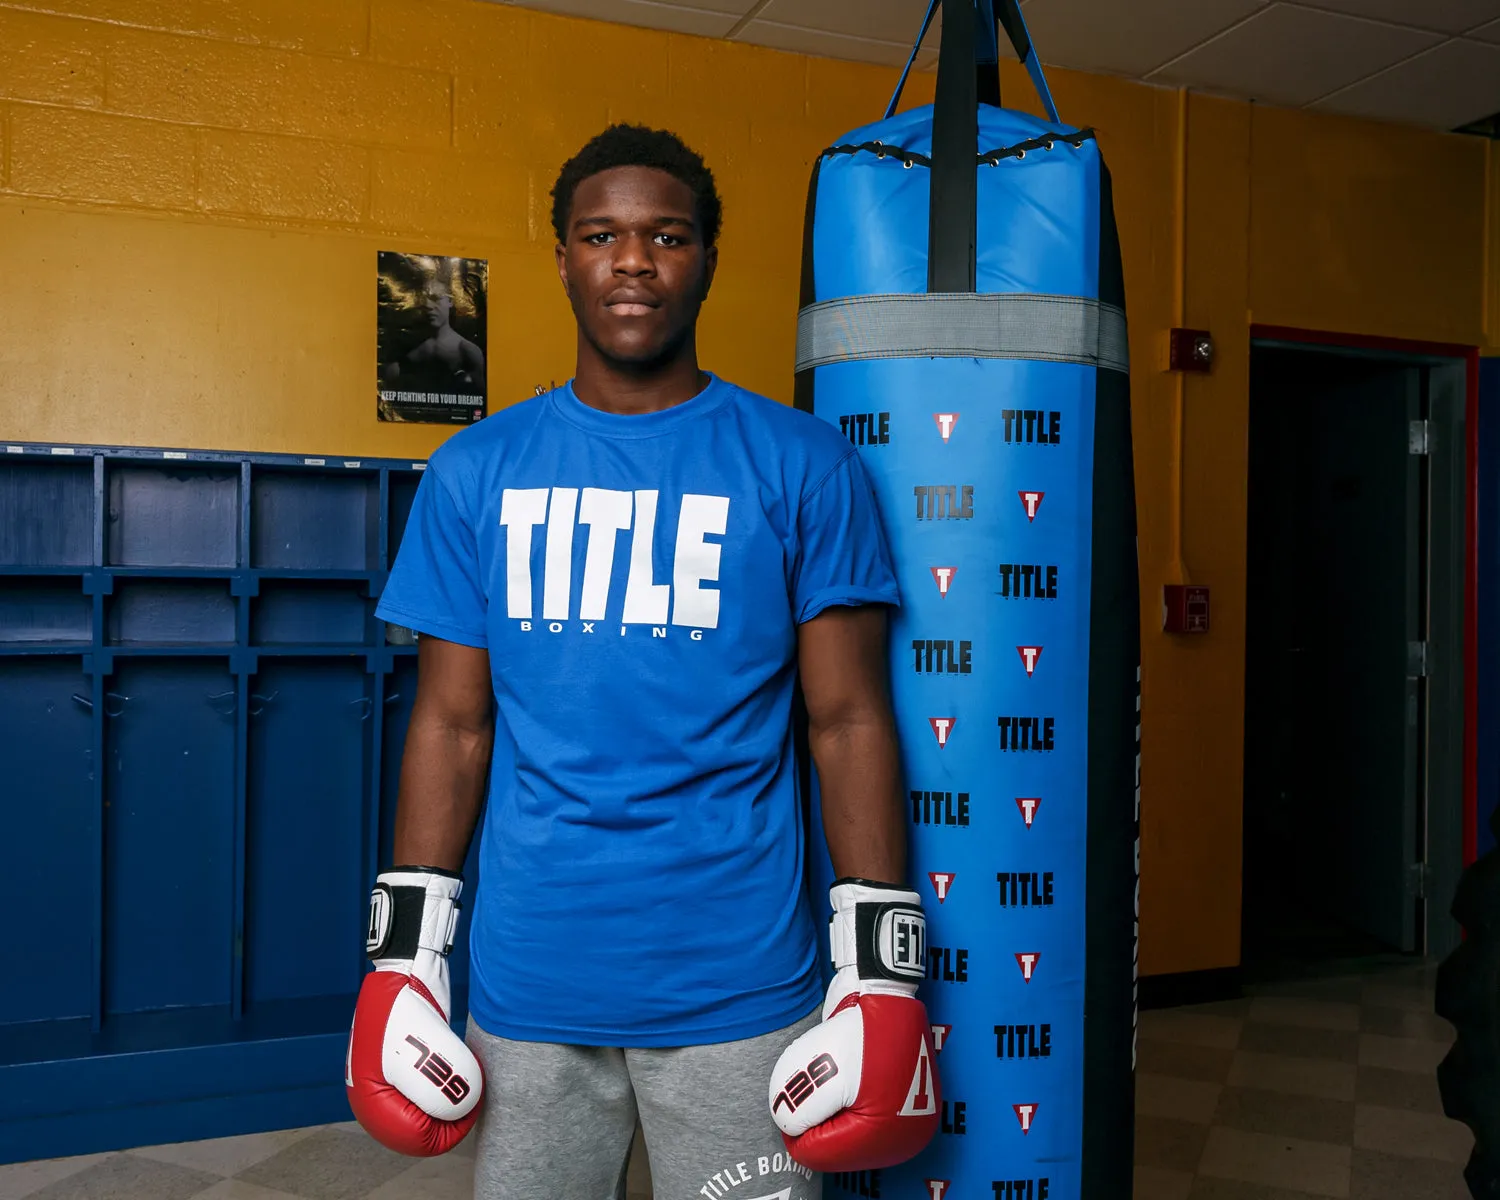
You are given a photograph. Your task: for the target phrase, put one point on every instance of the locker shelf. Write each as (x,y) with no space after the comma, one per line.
(302,519)
(174,612)
(49,513)
(173,650)
(44,610)
(183,515)
(294,573)
(119,572)
(311,651)
(201,728)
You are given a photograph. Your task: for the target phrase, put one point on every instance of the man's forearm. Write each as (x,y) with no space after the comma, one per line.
(442,787)
(859,777)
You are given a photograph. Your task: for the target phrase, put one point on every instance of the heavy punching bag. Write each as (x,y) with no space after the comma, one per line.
(962,320)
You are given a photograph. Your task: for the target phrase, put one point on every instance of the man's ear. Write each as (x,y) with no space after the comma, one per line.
(562,268)
(710,265)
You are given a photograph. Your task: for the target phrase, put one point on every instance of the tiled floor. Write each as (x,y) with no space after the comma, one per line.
(1318,1088)
(1324,1087)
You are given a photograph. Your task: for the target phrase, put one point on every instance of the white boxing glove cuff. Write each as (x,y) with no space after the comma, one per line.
(412,909)
(880,930)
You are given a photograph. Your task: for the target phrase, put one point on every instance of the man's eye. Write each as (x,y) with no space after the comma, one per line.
(666,239)
(597,239)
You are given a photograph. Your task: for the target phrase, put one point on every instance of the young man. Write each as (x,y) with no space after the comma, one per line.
(618,586)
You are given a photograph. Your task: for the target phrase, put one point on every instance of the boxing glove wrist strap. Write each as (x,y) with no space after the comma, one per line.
(880,930)
(412,909)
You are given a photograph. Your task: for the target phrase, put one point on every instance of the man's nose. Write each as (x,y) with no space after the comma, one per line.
(633,256)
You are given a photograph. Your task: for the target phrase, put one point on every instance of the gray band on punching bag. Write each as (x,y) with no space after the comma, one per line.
(1068,329)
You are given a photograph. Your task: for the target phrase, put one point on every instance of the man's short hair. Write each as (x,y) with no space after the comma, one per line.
(639,146)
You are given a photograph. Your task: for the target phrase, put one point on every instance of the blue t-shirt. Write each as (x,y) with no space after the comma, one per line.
(638,581)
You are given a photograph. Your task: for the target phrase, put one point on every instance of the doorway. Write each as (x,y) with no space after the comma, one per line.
(1353,690)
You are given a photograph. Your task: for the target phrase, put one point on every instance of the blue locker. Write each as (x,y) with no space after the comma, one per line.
(201,728)
(305,886)
(48,789)
(168,834)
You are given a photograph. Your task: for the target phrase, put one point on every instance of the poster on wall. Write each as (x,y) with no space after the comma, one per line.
(430,339)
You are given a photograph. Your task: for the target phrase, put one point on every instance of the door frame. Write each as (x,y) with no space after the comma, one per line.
(1451,762)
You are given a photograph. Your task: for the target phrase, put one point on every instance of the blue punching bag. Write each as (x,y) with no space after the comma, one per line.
(963,322)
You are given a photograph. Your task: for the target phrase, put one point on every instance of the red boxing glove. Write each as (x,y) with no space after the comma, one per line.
(860,1091)
(413,1084)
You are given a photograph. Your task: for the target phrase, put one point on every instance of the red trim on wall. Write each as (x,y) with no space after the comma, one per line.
(1470,357)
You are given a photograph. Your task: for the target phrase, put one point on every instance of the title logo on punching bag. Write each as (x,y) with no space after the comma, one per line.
(1021,1189)
(1023,1041)
(1025,889)
(1032,426)
(945,424)
(1028,581)
(940,808)
(936,657)
(1027,733)
(867,429)
(944,501)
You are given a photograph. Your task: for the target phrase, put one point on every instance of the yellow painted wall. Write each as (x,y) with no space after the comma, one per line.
(192,197)
(192,194)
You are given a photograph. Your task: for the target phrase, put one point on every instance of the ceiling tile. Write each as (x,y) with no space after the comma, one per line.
(1294,56)
(708,18)
(882,20)
(828,45)
(1489,33)
(1454,84)
(1445,16)
(1130,37)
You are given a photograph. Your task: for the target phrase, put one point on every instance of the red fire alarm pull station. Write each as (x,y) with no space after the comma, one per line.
(1184,608)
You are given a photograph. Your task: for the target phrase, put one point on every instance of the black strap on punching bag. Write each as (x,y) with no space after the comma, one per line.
(987,54)
(951,227)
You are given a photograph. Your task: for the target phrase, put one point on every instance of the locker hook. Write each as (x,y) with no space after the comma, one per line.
(393,697)
(83,700)
(368,706)
(215,697)
(117,710)
(261,701)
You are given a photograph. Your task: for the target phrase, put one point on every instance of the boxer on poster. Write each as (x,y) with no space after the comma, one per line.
(619,586)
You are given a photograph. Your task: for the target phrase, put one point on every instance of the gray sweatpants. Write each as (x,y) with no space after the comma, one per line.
(557,1121)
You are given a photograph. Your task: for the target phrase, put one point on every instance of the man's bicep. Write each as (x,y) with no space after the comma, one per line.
(453,684)
(841,658)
